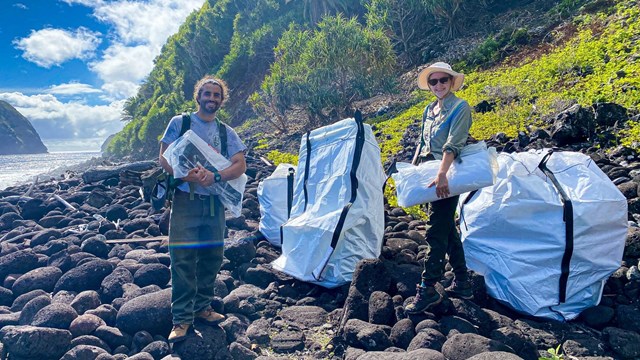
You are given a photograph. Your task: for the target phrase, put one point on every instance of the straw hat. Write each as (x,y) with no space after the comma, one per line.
(423,77)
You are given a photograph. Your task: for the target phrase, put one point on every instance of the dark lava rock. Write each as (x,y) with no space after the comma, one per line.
(381,310)
(402,333)
(85,324)
(23,299)
(152,274)
(211,344)
(57,316)
(625,343)
(18,262)
(239,251)
(44,278)
(31,308)
(150,312)
(112,285)
(464,346)
(422,354)
(288,341)
(87,276)
(307,316)
(427,339)
(114,337)
(83,352)
(86,300)
(96,245)
(30,342)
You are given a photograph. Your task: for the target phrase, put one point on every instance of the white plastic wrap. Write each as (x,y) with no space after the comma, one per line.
(190,150)
(476,167)
(272,196)
(324,196)
(514,234)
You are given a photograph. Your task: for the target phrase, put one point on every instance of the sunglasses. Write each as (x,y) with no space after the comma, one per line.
(434,82)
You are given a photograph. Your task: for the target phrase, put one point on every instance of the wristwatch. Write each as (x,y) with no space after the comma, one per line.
(216,176)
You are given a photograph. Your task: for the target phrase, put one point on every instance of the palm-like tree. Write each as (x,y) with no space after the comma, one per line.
(315,10)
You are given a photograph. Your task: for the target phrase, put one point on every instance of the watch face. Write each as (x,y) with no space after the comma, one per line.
(217,177)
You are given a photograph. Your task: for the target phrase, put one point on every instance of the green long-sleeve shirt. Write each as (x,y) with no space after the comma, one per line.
(447,131)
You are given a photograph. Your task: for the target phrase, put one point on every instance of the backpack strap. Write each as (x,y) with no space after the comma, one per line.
(186,123)
(222,131)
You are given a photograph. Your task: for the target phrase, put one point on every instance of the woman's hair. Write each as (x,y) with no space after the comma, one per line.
(210,80)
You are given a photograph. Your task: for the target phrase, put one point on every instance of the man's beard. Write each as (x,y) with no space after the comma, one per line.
(215,106)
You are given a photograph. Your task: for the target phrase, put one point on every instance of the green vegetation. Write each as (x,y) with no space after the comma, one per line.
(597,65)
(276,157)
(326,70)
(554,354)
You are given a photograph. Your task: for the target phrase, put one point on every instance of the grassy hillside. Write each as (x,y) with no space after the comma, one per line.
(593,59)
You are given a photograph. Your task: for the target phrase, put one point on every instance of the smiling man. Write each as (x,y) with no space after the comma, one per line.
(196,229)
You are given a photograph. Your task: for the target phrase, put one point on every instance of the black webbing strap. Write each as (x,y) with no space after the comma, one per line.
(290,191)
(306,172)
(357,155)
(567,217)
(289,199)
(186,123)
(466,200)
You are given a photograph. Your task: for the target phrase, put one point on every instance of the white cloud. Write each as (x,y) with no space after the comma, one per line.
(21,6)
(140,29)
(54,119)
(72,89)
(48,47)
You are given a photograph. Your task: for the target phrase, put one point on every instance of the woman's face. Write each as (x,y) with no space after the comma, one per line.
(440,89)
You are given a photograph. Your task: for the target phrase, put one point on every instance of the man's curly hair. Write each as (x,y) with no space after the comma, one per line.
(210,80)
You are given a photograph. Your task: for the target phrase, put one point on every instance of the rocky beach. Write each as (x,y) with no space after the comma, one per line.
(84,271)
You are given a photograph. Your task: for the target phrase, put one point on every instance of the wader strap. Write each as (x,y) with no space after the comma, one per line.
(212,206)
(192,192)
(567,217)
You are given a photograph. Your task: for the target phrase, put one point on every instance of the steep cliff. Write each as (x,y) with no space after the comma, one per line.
(17,135)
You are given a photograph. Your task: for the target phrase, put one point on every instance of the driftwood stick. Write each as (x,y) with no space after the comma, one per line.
(264,160)
(33,184)
(137,240)
(64,202)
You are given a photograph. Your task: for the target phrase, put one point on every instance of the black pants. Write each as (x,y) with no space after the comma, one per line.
(443,237)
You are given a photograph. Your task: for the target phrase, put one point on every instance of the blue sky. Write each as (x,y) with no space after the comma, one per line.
(69,65)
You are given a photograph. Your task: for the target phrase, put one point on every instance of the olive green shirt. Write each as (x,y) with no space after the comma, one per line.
(447,131)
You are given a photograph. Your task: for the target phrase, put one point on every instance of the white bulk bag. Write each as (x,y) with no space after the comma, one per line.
(275,195)
(515,234)
(190,150)
(337,217)
(476,167)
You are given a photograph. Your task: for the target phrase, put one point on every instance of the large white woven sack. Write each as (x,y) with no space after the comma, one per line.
(514,233)
(337,218)
(476,167)
(274,207)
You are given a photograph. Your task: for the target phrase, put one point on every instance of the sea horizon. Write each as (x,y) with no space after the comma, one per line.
(62,154)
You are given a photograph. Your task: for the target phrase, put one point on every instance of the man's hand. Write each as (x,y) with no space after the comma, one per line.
(200,175)
(442,185)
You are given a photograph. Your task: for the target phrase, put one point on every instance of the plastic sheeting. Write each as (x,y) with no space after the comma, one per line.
(190,150)
(273,196)
(337,217)
(515,234)
(476,167)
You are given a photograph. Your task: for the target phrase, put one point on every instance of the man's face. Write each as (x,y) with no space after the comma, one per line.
(210,98)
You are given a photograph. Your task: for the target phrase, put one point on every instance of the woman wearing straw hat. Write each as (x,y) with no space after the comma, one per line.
(445,128)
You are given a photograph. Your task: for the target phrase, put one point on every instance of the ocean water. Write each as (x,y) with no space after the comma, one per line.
(16,169)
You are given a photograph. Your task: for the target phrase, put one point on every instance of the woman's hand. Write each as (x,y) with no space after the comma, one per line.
(442,185)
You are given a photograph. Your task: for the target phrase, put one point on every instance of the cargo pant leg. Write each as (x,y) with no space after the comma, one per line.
(210,259)
(183,283)
(442,221)
(456,255)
